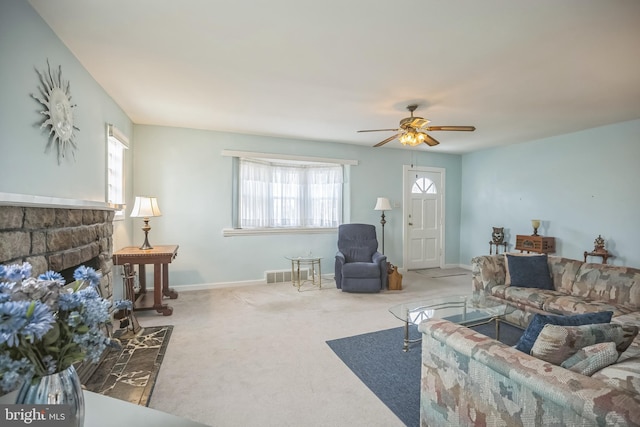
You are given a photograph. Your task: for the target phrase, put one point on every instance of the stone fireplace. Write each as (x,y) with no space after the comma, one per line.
(58,239)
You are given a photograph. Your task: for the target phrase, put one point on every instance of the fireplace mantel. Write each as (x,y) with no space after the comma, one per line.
(28,200)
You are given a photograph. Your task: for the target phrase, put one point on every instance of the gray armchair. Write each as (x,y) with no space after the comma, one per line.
(359,266)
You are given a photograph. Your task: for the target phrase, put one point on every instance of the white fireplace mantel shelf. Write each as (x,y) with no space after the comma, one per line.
(14,199)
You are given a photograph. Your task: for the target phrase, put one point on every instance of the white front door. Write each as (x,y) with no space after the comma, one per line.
(424,217)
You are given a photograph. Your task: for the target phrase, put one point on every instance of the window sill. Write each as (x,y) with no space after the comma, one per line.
(231,232)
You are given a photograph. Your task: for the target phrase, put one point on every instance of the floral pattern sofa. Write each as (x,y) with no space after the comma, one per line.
(470,379)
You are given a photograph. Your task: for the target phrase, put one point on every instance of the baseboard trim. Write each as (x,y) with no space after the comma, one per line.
(219,285)
(240,284)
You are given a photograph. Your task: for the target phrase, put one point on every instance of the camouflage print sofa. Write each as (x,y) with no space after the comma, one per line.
(470,379)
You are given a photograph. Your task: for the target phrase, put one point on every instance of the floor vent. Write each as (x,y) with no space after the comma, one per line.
(279,276)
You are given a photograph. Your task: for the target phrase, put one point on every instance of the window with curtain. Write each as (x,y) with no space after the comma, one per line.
(296,194)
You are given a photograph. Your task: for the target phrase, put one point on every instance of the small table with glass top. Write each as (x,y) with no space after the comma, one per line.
(315,270)
(466,310)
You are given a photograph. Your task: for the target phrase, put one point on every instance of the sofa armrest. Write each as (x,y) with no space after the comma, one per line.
(487,271)
(470,379)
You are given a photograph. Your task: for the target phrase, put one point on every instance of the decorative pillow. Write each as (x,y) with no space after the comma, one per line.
(538,321)
(592,358)
(529,271)
(557,343)
(507,276)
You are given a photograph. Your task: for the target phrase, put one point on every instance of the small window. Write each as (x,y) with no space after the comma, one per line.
(424,186)
(117,143)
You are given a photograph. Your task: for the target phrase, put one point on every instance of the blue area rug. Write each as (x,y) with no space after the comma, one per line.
(393,375)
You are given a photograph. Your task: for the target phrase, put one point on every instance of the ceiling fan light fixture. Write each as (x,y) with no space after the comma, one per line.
(412,130)
(412,138)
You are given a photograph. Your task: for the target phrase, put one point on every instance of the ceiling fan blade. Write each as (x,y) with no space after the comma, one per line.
(391,138)
(430,141)
(462,128)
(418,122)
(380,130)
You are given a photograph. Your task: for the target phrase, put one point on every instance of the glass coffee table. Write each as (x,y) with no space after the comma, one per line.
(467,310)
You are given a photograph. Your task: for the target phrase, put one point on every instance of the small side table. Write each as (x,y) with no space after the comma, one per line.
(313,262)
(604,254)
(491,243)
(160,257)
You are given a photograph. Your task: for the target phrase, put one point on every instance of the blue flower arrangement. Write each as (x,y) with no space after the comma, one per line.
(45,326)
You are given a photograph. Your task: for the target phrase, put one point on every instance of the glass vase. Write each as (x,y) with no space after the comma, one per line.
(61,388)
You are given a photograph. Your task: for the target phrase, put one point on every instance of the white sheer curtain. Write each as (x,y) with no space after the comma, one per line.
(289,195)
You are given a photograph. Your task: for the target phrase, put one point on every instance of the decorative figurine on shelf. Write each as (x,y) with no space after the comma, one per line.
(497,235)
(599,243)
(536,224)
(598,250)
(497,238)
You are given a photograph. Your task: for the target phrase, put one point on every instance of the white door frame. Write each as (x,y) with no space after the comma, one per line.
(406,195)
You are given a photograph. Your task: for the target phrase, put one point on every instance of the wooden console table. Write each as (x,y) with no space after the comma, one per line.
(160,257)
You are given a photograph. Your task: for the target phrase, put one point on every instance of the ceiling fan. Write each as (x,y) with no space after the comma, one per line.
(412,130)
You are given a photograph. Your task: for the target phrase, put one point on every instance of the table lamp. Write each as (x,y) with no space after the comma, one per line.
(145,207)
(536,224)
(382,204)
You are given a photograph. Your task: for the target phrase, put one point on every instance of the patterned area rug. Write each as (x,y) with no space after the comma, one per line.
(393,375)
(130,373)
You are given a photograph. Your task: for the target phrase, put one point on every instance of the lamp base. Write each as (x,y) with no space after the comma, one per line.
(146,229)
(383,222)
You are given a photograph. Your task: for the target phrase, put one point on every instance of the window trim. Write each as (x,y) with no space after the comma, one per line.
(114,134)
(229,232)
(255,155)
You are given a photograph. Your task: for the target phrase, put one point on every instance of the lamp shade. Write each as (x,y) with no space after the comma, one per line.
(382,204)
(145,207)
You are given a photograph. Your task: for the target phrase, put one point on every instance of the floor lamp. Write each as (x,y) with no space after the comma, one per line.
(382,205)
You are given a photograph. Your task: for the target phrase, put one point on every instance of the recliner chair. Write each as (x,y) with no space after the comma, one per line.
(359,266)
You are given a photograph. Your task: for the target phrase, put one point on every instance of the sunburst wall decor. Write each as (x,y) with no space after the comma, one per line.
(55,96)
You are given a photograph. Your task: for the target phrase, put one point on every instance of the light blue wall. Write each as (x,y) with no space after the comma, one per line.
(184,168)
(580,185)
(26,42)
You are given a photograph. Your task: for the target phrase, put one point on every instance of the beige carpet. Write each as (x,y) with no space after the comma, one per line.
(438,272)
(257,355)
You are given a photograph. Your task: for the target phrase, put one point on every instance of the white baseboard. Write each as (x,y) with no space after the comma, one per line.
(219,285)
(240,284)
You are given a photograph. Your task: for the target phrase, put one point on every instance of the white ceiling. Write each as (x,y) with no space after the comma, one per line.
(321,70)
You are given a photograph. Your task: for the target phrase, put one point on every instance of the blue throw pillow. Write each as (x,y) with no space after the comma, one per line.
(529,271)
(530,334)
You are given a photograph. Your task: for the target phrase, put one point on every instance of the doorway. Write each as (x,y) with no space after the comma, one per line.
(423,209)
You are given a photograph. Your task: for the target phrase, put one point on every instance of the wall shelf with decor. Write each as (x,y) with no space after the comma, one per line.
(539,244)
